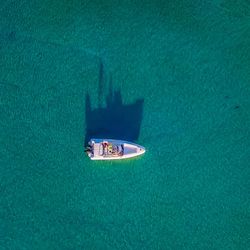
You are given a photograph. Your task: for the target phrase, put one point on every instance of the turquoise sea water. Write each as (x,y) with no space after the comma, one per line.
(170,75)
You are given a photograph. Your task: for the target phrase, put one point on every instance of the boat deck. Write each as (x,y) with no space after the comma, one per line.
(105,149)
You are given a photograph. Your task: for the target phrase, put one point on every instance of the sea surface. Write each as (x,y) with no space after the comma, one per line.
(173,76)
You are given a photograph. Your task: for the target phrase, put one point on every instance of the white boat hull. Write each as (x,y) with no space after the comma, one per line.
(109,149)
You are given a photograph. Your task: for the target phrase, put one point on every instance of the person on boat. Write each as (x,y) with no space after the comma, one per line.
(121,150)
(110,148)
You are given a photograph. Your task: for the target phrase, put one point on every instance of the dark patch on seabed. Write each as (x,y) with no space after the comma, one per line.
(116,120)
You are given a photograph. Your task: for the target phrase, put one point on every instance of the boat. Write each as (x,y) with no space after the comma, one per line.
(109,149)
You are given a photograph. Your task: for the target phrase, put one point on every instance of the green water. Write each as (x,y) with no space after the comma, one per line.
(188,64)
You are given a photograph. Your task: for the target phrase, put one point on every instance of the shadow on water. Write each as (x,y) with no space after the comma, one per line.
(114,119)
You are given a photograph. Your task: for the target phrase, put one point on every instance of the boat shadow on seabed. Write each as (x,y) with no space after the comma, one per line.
(114,120)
